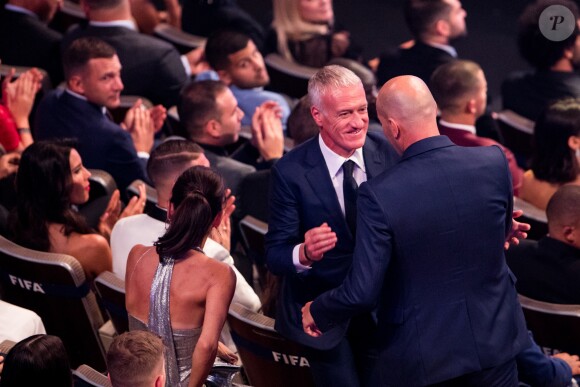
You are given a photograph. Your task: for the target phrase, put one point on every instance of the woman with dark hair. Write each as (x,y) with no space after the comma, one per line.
(40,360)
(50,180)
(174,290)
(556,152)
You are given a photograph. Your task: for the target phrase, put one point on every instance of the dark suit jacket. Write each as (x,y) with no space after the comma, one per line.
(303,197)
(529,93)
(151,68)
(465,138)
(547,270)
(102,144)
(26,41)
(420,60)
(429,249)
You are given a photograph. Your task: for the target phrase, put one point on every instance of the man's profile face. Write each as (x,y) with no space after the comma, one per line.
(480,95)
(101,82)
(247,69)
(230,117)
(343,119)
(456,19)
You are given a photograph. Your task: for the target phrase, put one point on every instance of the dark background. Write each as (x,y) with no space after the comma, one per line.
(377,24)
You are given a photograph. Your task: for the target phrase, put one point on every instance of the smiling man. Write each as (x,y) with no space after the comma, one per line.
(310,240)
(240,65)
(93,85)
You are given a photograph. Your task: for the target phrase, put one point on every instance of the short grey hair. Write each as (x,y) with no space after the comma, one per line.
(329,78)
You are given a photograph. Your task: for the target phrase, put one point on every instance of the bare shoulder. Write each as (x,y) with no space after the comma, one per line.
(137,251)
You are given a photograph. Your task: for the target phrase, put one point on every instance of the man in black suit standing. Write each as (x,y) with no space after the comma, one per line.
(151,68)
(433,24)
(26,40)
(93,85)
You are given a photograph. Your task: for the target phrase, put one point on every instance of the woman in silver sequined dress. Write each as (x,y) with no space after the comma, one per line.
(174,290)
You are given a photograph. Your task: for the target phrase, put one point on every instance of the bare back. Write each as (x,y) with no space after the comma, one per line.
(193,277)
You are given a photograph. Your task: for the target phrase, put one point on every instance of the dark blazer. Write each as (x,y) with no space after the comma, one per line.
(547,270)
(151,68)
(26,41)
(529,93)
(420,60)
(429,249)
(303,197)
(102,144)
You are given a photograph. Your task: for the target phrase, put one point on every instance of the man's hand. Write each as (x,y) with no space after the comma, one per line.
(140,125)
(223,232)
(267,133)
(308,323)
(8,164)
(518,230)
(197,62)
(571,360)
(158,115)
(317,241)
(225,354)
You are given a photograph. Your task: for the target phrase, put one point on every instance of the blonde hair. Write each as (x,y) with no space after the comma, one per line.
(289,25)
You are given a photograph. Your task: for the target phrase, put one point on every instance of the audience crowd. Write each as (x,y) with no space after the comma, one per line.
(394,231)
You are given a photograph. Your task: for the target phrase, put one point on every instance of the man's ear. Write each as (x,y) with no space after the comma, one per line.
(570,234)
(317,115)
(76,84)
(574,142)
(213,128)
(442,27)
(471,106)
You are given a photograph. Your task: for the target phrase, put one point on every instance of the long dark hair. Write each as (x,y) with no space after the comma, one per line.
(197,198)
(43,186)
(40,360)
(552,159)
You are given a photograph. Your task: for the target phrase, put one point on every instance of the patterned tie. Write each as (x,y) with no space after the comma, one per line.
(349,189)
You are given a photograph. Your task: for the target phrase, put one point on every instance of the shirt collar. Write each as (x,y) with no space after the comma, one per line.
(115,23)
(445,47)
(15,8)
(334,162)
(77,95)
(468,128)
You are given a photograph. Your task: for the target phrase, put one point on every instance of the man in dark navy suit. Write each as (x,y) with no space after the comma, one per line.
(93,85)
(310,239)
(429,249)
(433,24)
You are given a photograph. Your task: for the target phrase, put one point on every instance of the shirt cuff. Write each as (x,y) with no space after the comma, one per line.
(143,155)
(186,65)
(296,260)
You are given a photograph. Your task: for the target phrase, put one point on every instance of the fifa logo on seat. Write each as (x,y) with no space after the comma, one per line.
(26,284)
(290,359)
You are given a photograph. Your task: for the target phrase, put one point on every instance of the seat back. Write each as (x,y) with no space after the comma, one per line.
(127,102)
(69,14)
(288,77)
(102,184)
(555,326)
(111,291)
(54,286)
(86,376)
(133,190)
(534,216)
(184,42)
(517,132)
(268,358)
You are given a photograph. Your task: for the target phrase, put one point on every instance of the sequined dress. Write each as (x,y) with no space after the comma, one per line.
(179,343)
